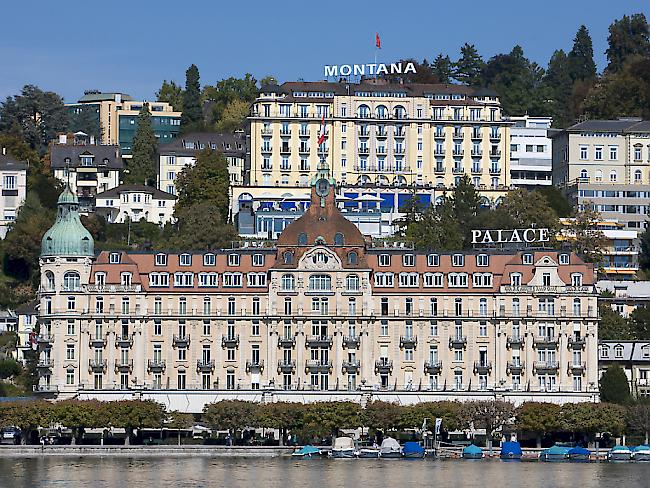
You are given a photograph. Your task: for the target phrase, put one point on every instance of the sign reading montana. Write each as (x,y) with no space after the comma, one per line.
(335,70)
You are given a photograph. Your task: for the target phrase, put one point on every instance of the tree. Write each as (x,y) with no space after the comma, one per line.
(280,415)
(526,209)
(423,73)
(466,205)
(538,419)
(585,238)
(639,417)
(435,228)
(199,227)
(192,117)
(86,120)
(442,69)
(171,93)
(324,419)
(449,412)
(141,167)
(556,200)
(77,415)
(179,421)
(233,116)
(614,386)
(230,415)
(207,180)
(491,415)
(469,67)
(581,57)
(640,323)
(612,326)
(591,418)
(382,415)
(268,80)
(628,37)
(28,416)
(34,115)
(9,368)
(132,414)
(558,84)
(217,97)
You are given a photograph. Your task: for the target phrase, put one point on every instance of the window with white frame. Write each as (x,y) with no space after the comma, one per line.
(527,258)
(576,279)
(185,259)
(161,259)
(208,279)
(158,279)
(232,280)
(409,280)
(515,279)
(320,282)
(482,260)
(209,259)
(384,260)
(233,259)
(482,280)
(457,280)
(183,279)
(352,282)
(114,258)
(288,282)
(408,260)
(256,279)
(433,280)
(564,259)
(384,280)
(457,260)
(125,279)
(433,260)
(258,259)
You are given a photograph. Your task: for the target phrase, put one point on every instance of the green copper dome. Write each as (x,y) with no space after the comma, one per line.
(68,236)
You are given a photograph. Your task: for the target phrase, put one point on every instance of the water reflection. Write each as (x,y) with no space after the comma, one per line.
(105,472)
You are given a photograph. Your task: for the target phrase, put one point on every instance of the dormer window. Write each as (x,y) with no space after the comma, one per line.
(125,279)
(320,258)
(161,259)
(100,279)
(233,259)
(408,260)
(576,279)
(527,259)
(338,239)
(209,259)
(618,352)
(185,260)
(353,258)
(258,259)
(384,260)
(114,258)
(564,259)
(433,260)
(302,239)
(515,279)
(482,260)
(457,260)
(287,257)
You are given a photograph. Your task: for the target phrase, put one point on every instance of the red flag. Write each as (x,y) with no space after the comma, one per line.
(377,40)
(321,136)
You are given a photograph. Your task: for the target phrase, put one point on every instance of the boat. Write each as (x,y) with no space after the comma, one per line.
(579,454)
(390,448)
(510,451)
(472,452)
(306,452)
(641,453)
(343,447)
(413,450)
(619,453)
(555,454)
(369,453)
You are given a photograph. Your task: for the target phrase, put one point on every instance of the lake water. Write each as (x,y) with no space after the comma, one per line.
(103,472)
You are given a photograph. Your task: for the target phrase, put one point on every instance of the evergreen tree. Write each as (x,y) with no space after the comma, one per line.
(644,257)
(581,57)
(627,37)
(442,69)
(171,93)
(86,120)
(141,167)
(558,84)
(640,323)
(612,326)
(469,67)
(614,386)
(192,118)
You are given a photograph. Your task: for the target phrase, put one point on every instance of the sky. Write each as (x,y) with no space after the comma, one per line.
(132,46)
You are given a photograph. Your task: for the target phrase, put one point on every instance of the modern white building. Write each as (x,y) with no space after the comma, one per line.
(531,153)
(13,177)
(135,203)
(182,152)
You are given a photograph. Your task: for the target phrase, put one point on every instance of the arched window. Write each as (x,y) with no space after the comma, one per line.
(352,283)
(71,281)
(353,258)
(482,307)
(381,112)
(320,258)
(364,111)
(618,351)
(207,305)
(599,175)
(583,173)
(638,176)
(49,281)
(399,112)
(302,239)
(287,257)
(515,306)
(612,176)
(352,306)
(320,282)
(288,282)
(338,239)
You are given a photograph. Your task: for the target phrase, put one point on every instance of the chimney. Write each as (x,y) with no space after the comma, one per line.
(4,151)
(63,139)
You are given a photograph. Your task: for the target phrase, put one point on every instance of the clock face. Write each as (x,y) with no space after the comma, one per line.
(322,187)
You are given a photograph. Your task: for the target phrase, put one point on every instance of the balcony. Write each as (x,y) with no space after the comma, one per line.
(267,131)
(97,341)
(476,135)
(287,341)
(457,170)
(576,367)
(495,136)
(577,342)
(97,365)
(364,132)
(383,366)
(304,150)
(285,132)
(124,341)
(477,153)
(266,150)
(438,152)
(204,366)
(45,364)
(181,340)
(156,365)
(408,342)
(432,367)
(351,342)
(230,341)
(318,341)
(303,132)
(458,152)
(514,367)
(476,170)
(381,151)
(458,342)
(255,366)
(495,171)
(545,366)
(400,133)
(285,150)
(514,340)
(45,340)
(286,366)
(545,341)
(351,367)
(124,365)
(45,389)
(399,151)
(458,134)
(440,170)
(364,151)
(439,135)
(482,367)
(317,366)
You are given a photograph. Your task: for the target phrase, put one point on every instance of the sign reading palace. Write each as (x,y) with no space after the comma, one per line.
(368,69)
(510,236)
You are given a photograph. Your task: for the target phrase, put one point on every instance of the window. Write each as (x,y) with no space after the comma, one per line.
(338,239)
(185,260)
(208,279)
(482,260)
(457,280)
(71,303)
(576,279)
(408,260)
(564,259)
(232,280)
(209,259)
(258,259)
(233,259)
(158,279)
(183,279)
(99,305)
(383,328)
(256,279)
(353,258)
(613,153)
(125,279)
(69,352)
(583,152)
(384,260)
(598,153)
(232,306)
(481,280)
(114,258)
(613,176)
(482,326)
(515,279)
(288,282)
(71,327)
(302,239)
(71,281)
(433,260)
(352,283)
(583,174)
(527,259)
(433,280)
(409,280)
(618,352)
(287,257)
(457,260)
(320,282)
(157,327)
(384,280)
(161,259)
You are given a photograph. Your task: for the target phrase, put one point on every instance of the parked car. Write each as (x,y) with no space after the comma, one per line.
(10,435)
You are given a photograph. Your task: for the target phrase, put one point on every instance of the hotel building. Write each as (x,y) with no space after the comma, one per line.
(13,178)
(531,162)
(382,139)
(322,313)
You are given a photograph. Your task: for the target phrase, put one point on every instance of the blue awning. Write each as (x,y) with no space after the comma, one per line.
(411,447)
(510,448)
(387,201)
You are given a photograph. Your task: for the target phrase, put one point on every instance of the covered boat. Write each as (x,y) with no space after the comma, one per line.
(641,453)
(390,448)
(472,452)
(510,450)
(413,450)
(306,452)
(579,454)
(369,453)
(343,447)
(554,454)
(619,453)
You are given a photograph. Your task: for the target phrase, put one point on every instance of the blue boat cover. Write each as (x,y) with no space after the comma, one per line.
(579,450)
(510,448)
(411,447)
(620,448)
(308,450)
(641,448)
(555,450)
(472,449)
